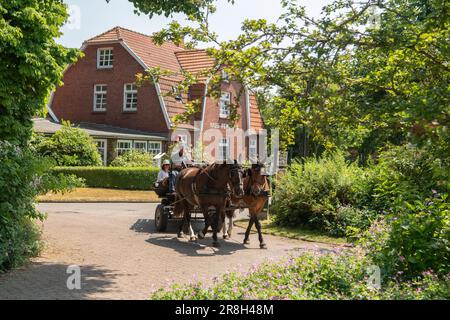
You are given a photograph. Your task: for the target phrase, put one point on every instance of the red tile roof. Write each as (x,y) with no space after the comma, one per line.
(170,57)
(152,56)
(197,62)
(142,45)
(255,115)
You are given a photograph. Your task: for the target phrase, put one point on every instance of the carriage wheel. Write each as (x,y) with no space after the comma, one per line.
(161,218)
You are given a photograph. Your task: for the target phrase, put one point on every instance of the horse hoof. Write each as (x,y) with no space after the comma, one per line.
(193,239)
(180,235)
(263,246)
(226,237)
(246,241)
(216,244)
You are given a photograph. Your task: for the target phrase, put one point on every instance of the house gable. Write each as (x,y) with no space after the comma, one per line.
(74,100)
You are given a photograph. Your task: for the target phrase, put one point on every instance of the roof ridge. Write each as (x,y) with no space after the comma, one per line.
(133,31)
(119,34)
(190,50)
(99,35)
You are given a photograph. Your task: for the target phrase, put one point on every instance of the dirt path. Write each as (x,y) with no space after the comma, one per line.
(122,257)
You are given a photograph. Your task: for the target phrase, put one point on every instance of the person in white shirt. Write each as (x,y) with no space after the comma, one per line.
(164,172)
(180,154)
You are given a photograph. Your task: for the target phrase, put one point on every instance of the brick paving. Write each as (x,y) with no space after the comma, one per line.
(121,256)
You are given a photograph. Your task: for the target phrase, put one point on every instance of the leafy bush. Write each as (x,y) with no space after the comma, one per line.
(308,276)
(404,173)
(23,176)
(311,193)
(114,177)
(133,158)
(70,146)
(350,221)
(412,239)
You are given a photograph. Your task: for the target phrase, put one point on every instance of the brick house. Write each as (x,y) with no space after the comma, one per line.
(99,93)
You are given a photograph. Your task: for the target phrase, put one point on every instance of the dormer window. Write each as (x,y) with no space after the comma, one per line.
(105,58)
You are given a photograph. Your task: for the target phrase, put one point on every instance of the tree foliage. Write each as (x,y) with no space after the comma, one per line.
(169,7)
(362,73)
(70,146)
(31,66)
(31,62)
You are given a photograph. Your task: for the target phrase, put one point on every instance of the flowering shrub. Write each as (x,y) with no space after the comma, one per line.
(412,239)
(404,173)
(308,276)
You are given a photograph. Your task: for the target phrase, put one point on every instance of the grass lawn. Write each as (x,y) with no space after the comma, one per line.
(300,233)
(101,195)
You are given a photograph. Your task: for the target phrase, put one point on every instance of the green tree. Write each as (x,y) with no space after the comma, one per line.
(31,67)
(362,70)
(32,62)
(70,146)
(168,7)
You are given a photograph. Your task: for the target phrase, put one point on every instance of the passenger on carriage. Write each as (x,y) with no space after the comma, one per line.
(164,172)
(181,158)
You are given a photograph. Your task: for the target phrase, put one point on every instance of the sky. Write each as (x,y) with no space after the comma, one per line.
(92,17)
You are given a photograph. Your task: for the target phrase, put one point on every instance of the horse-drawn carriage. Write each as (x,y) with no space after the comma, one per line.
(165,212)
(211,193)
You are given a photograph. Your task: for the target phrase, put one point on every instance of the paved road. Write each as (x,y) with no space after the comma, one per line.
(122,256)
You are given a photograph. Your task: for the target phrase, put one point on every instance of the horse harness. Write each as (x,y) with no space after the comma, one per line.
(209,190)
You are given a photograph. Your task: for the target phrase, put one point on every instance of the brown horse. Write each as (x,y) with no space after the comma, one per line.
(256,194)
(207,189)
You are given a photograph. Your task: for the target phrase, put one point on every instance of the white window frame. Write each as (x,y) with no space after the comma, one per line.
(224,105)
(143,142)
(104,99)
(149,150)
(133,92)
(253,148)
(123,150)
(224,143)
(105,149)
(110,56)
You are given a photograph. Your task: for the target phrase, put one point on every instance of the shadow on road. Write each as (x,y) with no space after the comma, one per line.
(168,239)
(148,226)
(48,281)
(144,226)
(200,248)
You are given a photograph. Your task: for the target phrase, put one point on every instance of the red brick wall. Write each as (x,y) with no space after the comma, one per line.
(74,100)
(212,114)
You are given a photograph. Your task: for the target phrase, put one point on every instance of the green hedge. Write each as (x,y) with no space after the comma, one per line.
(114,177)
